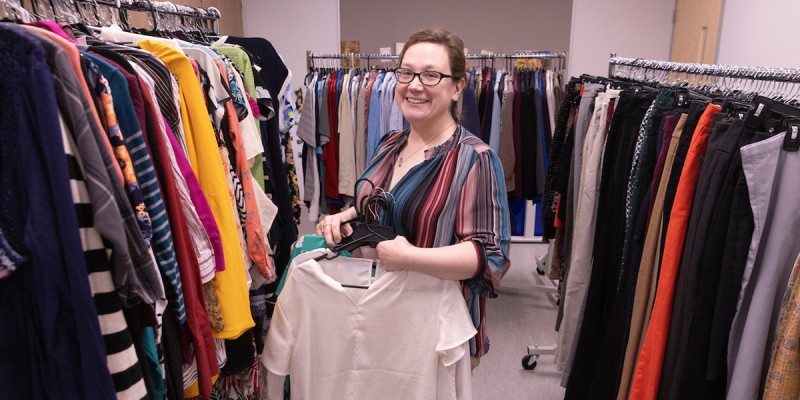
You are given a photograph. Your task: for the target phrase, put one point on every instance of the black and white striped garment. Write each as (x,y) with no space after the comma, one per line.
(123,363)
(165,85)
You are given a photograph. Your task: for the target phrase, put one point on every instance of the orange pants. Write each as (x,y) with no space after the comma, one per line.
(651,357)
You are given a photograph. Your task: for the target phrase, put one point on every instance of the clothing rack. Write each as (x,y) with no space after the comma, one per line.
(730,71)
(739,82)
(311,56)
(541,55)
(163,14)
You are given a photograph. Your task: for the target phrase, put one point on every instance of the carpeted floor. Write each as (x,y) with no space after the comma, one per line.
(517,319)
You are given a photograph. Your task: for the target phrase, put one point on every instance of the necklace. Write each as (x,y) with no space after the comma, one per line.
(400,157)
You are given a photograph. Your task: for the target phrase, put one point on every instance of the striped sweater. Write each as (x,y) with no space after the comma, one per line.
(123,363)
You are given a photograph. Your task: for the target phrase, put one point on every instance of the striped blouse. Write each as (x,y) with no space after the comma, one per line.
(456,194)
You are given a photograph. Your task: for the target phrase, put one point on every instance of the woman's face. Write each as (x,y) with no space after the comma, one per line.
(427,104)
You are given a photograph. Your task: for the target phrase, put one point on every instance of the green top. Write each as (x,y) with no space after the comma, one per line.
(305,244)
(241,60)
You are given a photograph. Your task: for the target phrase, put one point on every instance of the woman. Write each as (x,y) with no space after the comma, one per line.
(450,208)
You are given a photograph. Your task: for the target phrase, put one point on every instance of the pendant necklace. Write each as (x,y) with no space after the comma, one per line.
(400,157)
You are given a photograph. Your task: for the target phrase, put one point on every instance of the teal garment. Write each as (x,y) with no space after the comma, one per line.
(304,244)
(150,350)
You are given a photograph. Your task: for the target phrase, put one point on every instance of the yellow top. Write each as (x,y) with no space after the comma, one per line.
(204,156)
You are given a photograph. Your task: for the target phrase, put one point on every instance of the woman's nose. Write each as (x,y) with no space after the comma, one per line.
(416,84)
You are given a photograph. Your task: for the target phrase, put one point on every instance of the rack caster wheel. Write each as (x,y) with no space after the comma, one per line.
(529,362)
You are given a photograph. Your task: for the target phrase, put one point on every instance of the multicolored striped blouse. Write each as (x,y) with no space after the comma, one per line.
(456,194)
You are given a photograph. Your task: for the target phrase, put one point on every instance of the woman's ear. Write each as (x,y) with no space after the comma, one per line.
(459,88)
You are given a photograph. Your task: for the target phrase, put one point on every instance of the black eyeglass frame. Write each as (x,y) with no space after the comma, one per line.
(418,75)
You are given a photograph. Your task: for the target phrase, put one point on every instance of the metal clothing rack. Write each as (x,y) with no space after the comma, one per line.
(560,58)
(311,56)
(163,15)
(741,83)
(738,82)
(715,70)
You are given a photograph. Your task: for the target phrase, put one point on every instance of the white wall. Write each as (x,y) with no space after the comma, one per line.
(293,27)
(630,28)
(759,34)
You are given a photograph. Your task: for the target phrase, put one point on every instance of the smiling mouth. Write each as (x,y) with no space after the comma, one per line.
(416,101)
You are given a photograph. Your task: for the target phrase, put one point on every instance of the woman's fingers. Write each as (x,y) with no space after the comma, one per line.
(332,230)
(319,228)
(346,230)
(336,233)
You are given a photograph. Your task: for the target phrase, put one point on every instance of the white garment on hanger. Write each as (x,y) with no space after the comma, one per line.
(217,94)
(494,137)
(116,35)
(401,338)
(248,127)
(551,100)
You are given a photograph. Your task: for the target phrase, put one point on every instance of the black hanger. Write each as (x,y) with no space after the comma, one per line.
(586,78)
(764,107)
(365,235)
(732,106)
(81,29)
(368,232)
(791,142)
(611,83)
(311,71)
(695,96)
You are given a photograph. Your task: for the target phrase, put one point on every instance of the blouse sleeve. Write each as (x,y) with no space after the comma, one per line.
(482,218)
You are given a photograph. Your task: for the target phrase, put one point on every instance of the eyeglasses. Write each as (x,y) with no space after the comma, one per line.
(427,78)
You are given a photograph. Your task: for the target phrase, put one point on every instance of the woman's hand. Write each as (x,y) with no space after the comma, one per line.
(396,253)
(332,226)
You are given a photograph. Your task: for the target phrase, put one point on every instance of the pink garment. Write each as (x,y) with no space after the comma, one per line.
(52,26)
(199,200)
(196,69)
(254,106)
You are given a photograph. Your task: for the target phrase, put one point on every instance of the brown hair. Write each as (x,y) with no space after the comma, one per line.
(455,52)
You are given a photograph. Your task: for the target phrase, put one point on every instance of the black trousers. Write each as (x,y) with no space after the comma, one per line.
(641,219)
(611,351)
(702,363)
(609,237)
(691,382)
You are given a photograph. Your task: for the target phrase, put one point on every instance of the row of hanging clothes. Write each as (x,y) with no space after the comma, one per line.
(148,203)
(347,109)
(670,207)
(510,102)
